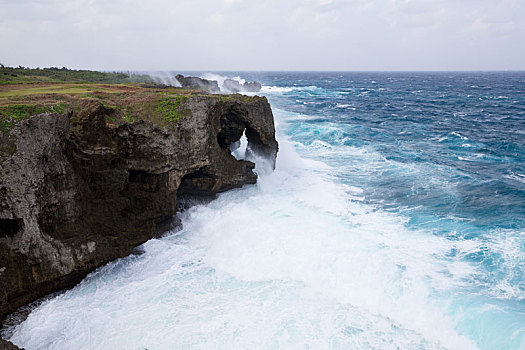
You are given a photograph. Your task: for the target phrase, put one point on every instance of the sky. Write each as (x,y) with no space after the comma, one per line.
(354,35)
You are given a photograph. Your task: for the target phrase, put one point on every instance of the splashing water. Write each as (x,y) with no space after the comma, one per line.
(165,78)
(221,78)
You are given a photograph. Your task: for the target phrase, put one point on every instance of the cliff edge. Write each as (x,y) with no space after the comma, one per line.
(81,188)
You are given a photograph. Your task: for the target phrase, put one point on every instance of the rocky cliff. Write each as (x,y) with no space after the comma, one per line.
(212,86)
(77,191)
(197,83)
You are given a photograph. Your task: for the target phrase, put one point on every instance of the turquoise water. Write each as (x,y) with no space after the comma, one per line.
(395,219)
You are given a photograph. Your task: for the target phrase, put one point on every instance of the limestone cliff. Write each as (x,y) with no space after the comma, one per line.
(78,192)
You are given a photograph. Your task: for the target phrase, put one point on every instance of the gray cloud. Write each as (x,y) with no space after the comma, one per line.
(264,35)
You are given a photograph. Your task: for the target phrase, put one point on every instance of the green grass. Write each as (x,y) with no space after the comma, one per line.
(15,75)
(92,95)
(128,117)
(53,89)
(169,108)
(11,115)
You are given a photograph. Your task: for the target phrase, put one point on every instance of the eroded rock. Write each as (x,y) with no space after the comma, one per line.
(6,345)
(197,83)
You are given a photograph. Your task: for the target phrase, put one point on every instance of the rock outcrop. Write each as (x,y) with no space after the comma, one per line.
(79,192)
(197,83)
(212,86)
(252,86)
(5,345)
(234,86)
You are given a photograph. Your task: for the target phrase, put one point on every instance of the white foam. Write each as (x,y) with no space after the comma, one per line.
(346,106)
(459,135)
(508,245)
(277,89)
(516,176)
(238,149)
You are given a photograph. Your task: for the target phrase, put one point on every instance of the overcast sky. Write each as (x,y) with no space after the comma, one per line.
(264,35)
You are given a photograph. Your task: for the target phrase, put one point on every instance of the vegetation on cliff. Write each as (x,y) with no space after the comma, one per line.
(16,75)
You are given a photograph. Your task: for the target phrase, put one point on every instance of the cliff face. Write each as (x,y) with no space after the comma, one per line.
(76,195)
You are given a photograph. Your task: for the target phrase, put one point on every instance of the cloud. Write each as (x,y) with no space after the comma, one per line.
(264,35)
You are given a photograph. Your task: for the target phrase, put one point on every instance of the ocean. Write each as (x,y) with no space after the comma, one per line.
(395,219)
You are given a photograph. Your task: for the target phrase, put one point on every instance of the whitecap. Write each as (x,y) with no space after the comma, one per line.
(346,106)
(277,89)
(455,133)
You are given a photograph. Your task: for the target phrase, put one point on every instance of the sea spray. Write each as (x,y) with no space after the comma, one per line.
(165,78)
(221,78)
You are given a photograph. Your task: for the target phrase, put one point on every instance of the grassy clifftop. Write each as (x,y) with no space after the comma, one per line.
(25,92)
(16,75)
(130,102)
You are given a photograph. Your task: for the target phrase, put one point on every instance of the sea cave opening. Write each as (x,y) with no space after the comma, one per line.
(195,188)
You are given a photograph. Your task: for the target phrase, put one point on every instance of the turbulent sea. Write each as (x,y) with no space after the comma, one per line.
(395,219)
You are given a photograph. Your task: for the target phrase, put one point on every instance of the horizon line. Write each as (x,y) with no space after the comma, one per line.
(289,70)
